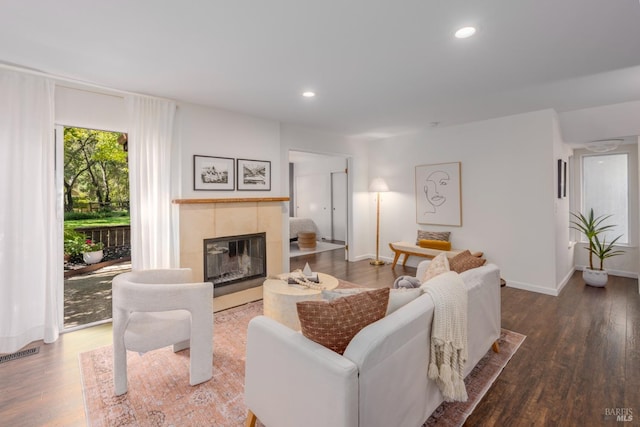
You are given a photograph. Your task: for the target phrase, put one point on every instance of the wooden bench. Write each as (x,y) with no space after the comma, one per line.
(408,248)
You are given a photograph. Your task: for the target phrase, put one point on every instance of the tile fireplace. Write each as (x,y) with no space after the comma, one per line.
(202,219)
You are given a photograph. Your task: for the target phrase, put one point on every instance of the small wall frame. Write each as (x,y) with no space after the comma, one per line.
(254,175)
(562,179)
(213,173)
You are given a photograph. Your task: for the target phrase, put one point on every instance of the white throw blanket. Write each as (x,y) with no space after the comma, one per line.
(448,335)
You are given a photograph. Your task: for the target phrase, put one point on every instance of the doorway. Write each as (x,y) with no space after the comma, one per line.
(97,244)
(318,191)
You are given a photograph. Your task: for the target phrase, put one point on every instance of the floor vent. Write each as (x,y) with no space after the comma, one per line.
(19,354)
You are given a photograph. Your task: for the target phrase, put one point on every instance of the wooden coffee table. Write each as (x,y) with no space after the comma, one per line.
(280,298)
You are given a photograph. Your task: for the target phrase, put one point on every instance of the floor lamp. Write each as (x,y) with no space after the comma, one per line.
(378,186)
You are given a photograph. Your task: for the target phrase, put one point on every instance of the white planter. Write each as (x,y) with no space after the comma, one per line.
(92,257)
(597,278)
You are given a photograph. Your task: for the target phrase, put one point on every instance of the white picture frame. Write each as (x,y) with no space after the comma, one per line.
(439,194)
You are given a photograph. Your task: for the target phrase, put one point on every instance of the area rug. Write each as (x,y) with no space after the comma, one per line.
(294,250)
(159,393)
(478,382)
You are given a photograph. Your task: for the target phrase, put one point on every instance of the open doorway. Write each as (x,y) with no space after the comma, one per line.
(97,242)
(318,193)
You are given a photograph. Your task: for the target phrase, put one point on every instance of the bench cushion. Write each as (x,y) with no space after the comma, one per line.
(412,248)
(435,244)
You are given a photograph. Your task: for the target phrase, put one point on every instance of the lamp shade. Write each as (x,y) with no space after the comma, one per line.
(378,186)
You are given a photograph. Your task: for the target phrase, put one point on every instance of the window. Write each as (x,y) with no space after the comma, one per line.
(605,188)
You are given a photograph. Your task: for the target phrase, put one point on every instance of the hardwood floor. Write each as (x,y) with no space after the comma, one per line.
(581,356)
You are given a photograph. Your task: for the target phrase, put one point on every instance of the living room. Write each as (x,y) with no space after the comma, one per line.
(508,157)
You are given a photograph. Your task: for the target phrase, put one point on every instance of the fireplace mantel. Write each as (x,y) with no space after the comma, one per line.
(230,200)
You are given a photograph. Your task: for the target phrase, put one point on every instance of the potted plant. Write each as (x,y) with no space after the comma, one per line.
(592,227)
(74,245)
(92,252)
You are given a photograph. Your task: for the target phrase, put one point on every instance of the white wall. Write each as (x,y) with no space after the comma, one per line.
(213,132)
(89,109)
(564,249)
(508,172)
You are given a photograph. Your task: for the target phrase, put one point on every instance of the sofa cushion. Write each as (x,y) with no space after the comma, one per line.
(334,323)
(397,297)
(433,235)
(465,261)
(437,266)
(440,245)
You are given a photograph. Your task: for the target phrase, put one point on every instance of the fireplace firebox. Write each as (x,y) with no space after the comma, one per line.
(235,260)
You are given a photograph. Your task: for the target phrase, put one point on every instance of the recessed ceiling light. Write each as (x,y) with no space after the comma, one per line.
(308,94)
(465,32)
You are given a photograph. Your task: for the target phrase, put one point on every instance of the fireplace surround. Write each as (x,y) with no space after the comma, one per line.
(202,219)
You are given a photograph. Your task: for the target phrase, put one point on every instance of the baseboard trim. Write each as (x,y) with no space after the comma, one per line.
(566,279)
(533,288)
(619,273)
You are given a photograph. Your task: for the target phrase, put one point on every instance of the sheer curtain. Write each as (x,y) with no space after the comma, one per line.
(150,139)
(31,216)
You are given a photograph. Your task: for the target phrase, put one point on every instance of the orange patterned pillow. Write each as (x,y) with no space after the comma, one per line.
(333,324)
(465,261)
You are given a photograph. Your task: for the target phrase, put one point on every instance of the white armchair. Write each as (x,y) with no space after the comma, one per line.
(157,308)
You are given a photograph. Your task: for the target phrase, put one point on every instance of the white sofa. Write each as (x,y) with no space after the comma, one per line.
(381,380)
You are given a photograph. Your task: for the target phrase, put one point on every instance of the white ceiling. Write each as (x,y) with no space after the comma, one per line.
(379,67)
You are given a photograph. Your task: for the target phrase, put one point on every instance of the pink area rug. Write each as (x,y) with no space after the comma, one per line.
(478,382)
(160,395)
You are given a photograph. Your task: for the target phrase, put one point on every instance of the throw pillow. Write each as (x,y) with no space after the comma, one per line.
(435,244)
(465,261)
(437,266)
(397,297)
(333,324)
(432,235)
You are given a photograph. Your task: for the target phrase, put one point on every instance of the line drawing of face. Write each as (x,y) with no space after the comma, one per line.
(435,190)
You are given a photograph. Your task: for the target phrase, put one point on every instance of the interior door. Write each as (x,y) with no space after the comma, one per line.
(339,206)
(313,200)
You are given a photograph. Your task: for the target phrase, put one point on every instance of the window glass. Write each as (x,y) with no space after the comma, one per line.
(606,190)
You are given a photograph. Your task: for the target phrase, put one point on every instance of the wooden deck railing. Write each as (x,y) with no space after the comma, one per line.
(111,236)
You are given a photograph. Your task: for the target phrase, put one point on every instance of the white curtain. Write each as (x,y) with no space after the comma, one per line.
(150,139)
(30,213)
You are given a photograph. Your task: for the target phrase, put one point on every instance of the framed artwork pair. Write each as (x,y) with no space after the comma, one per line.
(219,174)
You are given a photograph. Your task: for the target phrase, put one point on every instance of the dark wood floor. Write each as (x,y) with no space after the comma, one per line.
(581,356)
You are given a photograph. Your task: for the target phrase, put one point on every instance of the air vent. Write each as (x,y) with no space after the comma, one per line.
(19,354)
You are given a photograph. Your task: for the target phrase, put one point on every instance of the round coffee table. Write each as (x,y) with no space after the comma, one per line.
(280,298)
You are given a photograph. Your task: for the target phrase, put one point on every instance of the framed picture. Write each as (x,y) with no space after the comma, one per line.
(213,173)
(562,179)
(254,175)
(438,194)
